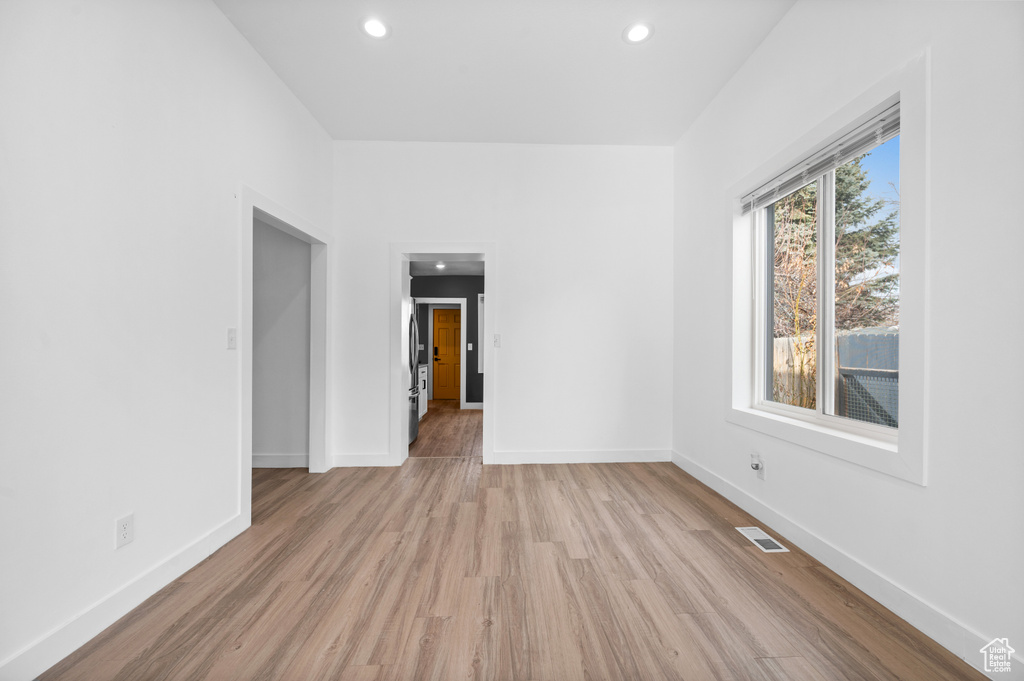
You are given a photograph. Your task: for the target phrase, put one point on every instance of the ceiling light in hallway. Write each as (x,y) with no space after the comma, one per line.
(637,33)
(375,28)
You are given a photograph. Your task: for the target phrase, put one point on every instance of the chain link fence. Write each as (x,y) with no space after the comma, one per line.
(869,377)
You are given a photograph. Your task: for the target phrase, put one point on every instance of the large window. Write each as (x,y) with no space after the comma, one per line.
(827,281)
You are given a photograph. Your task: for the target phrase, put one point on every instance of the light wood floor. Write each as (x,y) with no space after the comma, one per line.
(446,430)
(447,569)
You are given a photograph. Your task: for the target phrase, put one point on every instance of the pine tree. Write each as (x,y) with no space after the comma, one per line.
(866,271)
(867,252)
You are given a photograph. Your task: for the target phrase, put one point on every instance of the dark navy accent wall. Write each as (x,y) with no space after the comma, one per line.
(453,287)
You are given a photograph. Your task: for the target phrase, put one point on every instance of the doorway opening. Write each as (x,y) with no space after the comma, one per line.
(257,212)
(456,400)
(451,422)
(280,348)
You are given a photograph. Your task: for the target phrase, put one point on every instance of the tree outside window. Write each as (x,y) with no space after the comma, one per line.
(859,275)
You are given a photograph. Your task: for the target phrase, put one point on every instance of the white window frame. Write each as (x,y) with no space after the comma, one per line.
(825,334)
(901,453)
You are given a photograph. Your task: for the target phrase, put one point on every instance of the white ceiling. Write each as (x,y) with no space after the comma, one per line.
(513,71)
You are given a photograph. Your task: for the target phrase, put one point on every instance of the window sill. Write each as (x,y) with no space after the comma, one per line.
(877,454)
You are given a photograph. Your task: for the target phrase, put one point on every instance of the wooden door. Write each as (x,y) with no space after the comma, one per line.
(447,354)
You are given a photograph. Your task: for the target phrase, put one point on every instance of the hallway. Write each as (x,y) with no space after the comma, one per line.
(449,432)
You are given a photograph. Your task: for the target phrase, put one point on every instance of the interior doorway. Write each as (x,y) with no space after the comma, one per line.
(280,348)
(256,207)
(454,257)
(449,426)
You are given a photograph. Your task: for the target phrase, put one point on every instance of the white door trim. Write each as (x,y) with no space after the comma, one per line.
(252,205)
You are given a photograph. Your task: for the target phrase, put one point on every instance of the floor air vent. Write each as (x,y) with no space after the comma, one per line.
(762,540)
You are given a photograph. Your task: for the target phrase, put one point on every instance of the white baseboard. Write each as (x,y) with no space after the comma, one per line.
(68,637)
(474,405)
(280,460)
(591,456)
(944,629)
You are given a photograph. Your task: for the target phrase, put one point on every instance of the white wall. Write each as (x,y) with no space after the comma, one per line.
(947,557)
(583,239)
(280,371)
(126,131)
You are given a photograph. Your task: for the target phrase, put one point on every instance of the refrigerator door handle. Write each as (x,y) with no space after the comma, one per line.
(414,342)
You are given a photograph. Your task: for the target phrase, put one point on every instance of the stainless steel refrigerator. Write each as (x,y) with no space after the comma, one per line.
(414,375)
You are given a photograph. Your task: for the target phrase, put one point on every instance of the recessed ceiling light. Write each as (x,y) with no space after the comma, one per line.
(637,33)
(375,28)
(439,265)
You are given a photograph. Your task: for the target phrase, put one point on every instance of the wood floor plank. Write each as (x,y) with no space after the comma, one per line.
(789,669)
(360,673)
(566,516)
(614,552)
(446,569)
(486,551)
(669,649)
(624,487)
(630,528)
(514,626)
(730,645)
(441,596)
(685,589)
(475,639)
(601,634)
(269,621)
(425,655)
(552,644)
(382,640)
(379,635)
(344,611)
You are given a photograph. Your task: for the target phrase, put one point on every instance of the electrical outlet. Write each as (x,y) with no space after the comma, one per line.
(757,464)
(125,530)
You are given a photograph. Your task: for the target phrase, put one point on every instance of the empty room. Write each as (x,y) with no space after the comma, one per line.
(371,340)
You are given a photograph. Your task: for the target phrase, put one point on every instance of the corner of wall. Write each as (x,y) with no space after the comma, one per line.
(951,634)
(63,640)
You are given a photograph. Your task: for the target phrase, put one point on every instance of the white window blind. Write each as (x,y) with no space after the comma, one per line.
(879,128)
